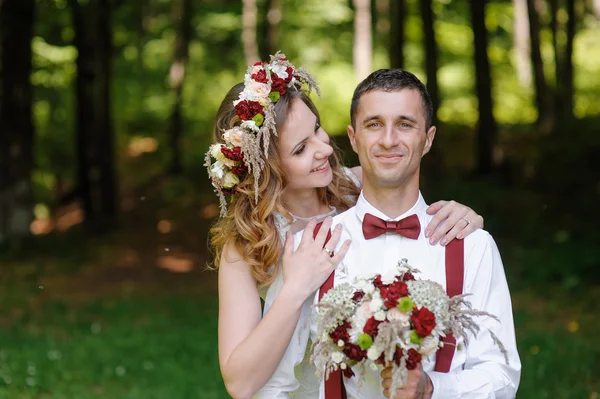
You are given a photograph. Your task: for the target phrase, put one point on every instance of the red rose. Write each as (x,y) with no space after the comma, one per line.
(358,295)
(257,63)
(226,191)
(290,72)
(392,293)
(341,332)
(354,352)
(235,153)
(377,282)
(408,276)
(246,110)
(277,84)
(414,358)
(371,327)
(423,320)
(348,373)
(239,170)
(260,76)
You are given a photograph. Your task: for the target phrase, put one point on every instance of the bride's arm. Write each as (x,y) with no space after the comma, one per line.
(250,349)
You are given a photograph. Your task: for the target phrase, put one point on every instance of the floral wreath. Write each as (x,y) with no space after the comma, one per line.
(245,147)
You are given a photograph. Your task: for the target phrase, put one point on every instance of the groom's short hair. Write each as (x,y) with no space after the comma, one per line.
(392,80)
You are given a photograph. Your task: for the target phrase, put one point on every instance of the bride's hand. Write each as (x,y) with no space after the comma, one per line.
(451,220)
(307,268)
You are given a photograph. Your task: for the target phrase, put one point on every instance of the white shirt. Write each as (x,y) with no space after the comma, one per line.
(478,370)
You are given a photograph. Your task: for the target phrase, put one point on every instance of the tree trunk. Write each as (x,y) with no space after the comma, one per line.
(431,54)
(107,184)
(182,20)
(487,130)
(396,47)
(567,65)
(543,99)
(382,27)
(521,42)
(16,125)
(270,36)
(363,41)
(249,13)
(84,109)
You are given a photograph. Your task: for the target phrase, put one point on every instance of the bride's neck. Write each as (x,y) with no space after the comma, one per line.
(303,203)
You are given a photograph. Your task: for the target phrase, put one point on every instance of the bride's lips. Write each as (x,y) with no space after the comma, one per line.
(322,168)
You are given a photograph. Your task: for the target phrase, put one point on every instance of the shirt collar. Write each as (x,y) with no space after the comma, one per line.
(363,206)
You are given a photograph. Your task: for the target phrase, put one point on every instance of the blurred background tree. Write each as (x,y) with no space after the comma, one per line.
(106,110)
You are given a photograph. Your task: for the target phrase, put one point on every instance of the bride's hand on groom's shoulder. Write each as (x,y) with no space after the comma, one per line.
(451,220)
(307,268)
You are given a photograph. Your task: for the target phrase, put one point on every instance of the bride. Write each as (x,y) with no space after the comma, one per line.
(276,172)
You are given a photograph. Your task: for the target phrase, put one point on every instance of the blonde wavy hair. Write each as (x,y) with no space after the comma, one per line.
(249,226)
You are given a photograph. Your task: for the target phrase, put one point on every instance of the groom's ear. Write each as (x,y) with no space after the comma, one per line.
(352,137)
(429,136)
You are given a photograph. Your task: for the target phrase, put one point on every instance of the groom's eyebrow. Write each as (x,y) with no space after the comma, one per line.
(379,117)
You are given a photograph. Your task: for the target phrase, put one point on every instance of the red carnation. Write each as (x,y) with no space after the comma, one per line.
(423,320)
(371,327)
(408,276)
(348,373)
(290,72)
(260,76)
(341,332)
(257,63)
(277,84)
(226,191)
(377,282)
(414,358)
(354,352)
(246,110)
(398,355)
(392,293)
(358,295)
(239,170)
(235,153)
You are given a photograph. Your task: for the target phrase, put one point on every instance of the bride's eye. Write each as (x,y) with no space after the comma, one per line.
(317,126)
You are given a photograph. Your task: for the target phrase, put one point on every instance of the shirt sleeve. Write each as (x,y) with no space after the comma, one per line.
(284,381)
(486,373)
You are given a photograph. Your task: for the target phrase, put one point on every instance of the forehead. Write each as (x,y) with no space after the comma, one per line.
(299,123)
(405,102)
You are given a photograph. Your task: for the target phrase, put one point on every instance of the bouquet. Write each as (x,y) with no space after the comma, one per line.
(391,320)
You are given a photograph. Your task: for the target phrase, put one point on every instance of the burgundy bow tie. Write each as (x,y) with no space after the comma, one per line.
(409,227)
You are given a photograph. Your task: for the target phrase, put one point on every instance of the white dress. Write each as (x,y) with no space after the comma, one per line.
(305,371)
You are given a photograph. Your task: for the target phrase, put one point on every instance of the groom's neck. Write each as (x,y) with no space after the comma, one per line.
(392,201)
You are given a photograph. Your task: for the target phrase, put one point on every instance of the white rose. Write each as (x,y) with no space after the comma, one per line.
(365,311)
(234,136)
(337,357)
(380,315)
(217,170)
(230,180)
(340,343)
(360,284)
(368,288)
(215,151)
(373,353)
(258,89)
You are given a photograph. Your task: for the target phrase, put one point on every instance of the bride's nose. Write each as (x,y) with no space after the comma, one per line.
(324,150)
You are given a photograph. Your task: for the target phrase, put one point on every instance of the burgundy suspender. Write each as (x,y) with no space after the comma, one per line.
(455,271)
(334,385)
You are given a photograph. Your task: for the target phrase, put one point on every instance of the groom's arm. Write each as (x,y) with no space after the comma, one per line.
(485,373)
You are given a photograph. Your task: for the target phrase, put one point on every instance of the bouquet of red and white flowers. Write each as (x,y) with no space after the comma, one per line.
(390,320)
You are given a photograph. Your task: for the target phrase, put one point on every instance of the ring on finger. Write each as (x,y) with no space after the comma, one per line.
(329,251)
(466,220)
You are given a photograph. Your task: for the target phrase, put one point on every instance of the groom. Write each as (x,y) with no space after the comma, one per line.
(391,130)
